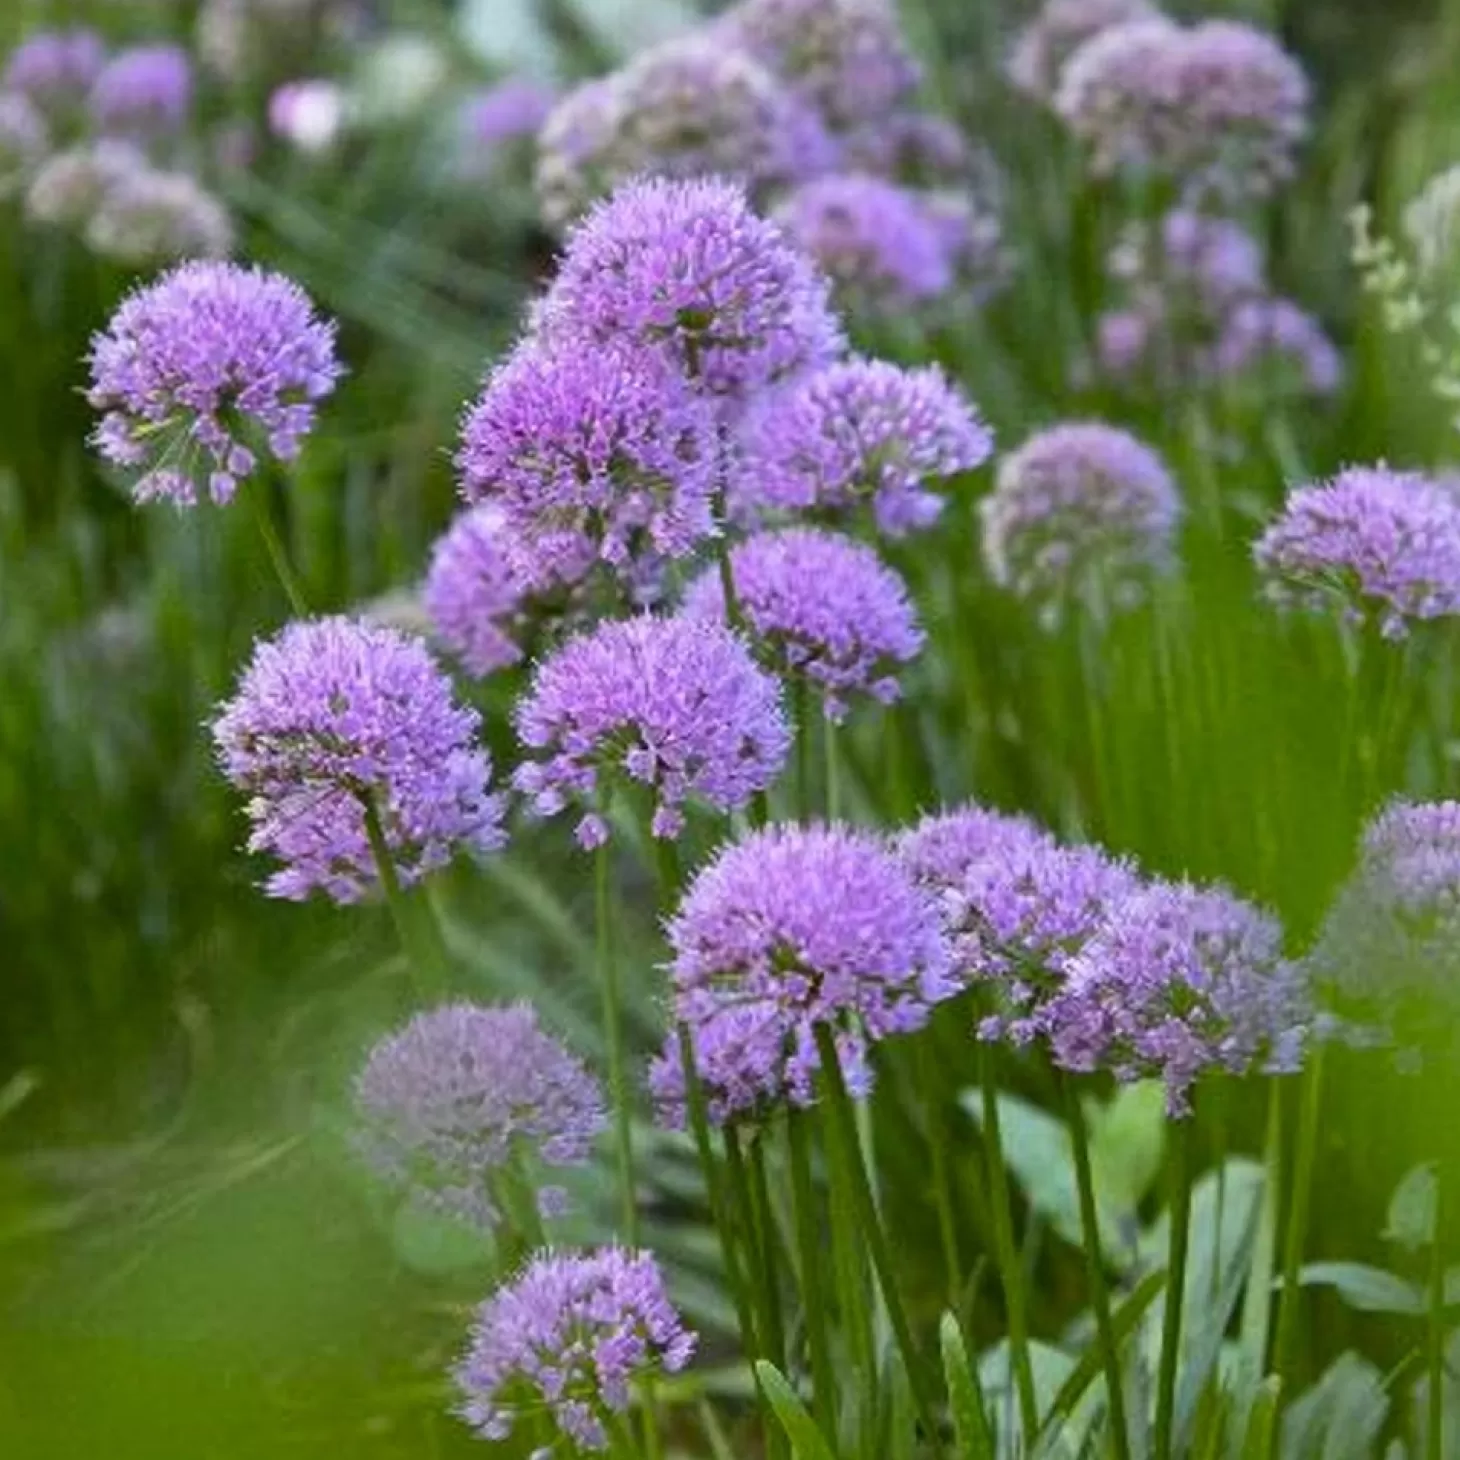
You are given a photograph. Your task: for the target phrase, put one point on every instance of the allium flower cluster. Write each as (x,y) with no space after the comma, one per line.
(861,432)
(1374,545)
(54,69)
(787,929)
(508,112)
(146,215)
(463,1096)
(1082,512)
(568,1336)
(24,139)
(821,608)
(1061,27)
(143,92)
(972,228)
(1178,981)
(918,149)
(1212,261)
(70,185)
(474,595)
(334,716)
(688,269)
(1274,340)
(675,705)
(205,370)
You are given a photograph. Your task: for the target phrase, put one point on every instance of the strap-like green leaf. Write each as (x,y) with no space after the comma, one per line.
(965,1395)
(807,1441)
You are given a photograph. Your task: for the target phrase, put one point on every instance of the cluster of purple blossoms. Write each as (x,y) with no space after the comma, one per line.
(1373,544)
(202,371)
(465,1096)
(335,721)
(509,112)
(1061,27)
(675,705)
(55,69)
(919,149)
(143,92)
(71,185)
(474,594)
(24,140)
(819,608)
(148,215)
(567,1337)
(1275,342)
(787,929)
(860,432)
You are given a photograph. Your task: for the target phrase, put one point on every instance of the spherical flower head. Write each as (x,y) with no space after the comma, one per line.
(69,186)
(567,1337)
(688,269)
(676,705)
(819,608)
(205,370)
(145,91)
(463,1097)
(861,432)
(508,112)
(593,454)
(335,715)
(789,928)
(473,593)
(972,230)
(308,114)
(24,139)
(1374,545)
(1082,512)
(54,69)
(148,216)
(1181,980)
(1280,344)
(1059,29)
(1210,263)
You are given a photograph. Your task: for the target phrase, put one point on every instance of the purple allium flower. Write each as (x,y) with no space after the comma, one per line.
(54,69)
(973,236)
(788,928)
(334,713)
(861,431)
(24,139)
(1273,337)
(916,148)
(473,593)
(69,186)
(592,453)
(1210,262)
(462,1096)
(1373,544)
(145,215)
(822,608)
(309,114)
(1081,512)
(566,1338)
(1180,980)
(689,269)
(677,705)
(1057,32)
(145,91)
(1219,107)
(507,112)
(204,370)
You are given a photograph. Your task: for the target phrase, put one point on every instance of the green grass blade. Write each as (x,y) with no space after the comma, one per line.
(807,1442)
(971,1430)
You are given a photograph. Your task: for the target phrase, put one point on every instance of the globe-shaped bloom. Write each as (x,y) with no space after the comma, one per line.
(203,373)
(916,148)
(820,608)
(861,432)
(508,112)
(1060,28)
(54,69)
(1372,545)
(789,928)
(464,1098)
(150,216)
(686,268)
(593,454)
(474,595)
(143,92)
(1274,342)
(335,719)
(565,1339)
(1082,512)
(24,138)
(70,185)
(1209,263)
(675,705)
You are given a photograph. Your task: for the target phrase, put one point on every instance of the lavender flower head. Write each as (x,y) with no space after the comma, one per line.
(143,92)
(1278,343)
(54,69)
(148,216)
(916,148)
(205,370)
(861,431)
(819,608)
(1373,545)
(1181,980)
(786,929)
(567,1337)
(970,224)
(473,594)
(24,139)
(333,715)
(1082,512)
(1061,27)
(597,453)
(1212,262)
(463,1097)
(510,111)
(675,705)
(70,185)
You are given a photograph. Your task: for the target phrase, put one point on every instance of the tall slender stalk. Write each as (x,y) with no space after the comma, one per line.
(1435,1426)
(614,1036)
(278,554)
(769,1240)
(833,770)
(1175,1288)
(813,1295)
(938,1138)
(425,952)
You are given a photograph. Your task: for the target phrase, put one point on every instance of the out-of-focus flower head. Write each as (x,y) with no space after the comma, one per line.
(1275,341)
(972,229)
(1211,261)
(24,140)
(512,111)
(69,186)
(916,148)
(144,92)
(150,215)
(254,41)
(54,69)
(309,115)
(1061,27)
(474,595)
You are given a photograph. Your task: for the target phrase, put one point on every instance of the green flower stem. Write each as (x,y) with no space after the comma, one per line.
(813,1297)
(614,1036)
(1175,1287)
(1435,1427)
(733,614)
(768,1239)
(278,554)
(421,942)
(939,1139)
(833,770)
(523,1230)
(801,709)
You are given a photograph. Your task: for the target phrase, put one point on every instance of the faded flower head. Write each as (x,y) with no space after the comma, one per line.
(54,69)
(148,216)
(205,370)
(335,715)
(508,112)
(821,608)
(971,226)
(1081,512)
(1372,545)
(474,595)
(69,186)
(1061,27)
(676,705)
(308,114)
(788,928)
(1208,262)
(465,1096)
(861,432)
(143,92)
(24,139)
(1278,343)
(566,1338)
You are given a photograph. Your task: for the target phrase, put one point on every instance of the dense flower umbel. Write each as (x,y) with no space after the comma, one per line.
(1057,32)
(461,1094)
(820,607)
(148,215)
(54,69)
(334,713)
(674,704)
(1081,512)
(1207,261)
(861,432)
(1276,342)
(70,185)
(1220,107)
(1372,545)
(203,370)
(473,593)
(145,91)
(788,928)
(1180,980)
(567,1337)
(23,142)
(592,453)
(688,269)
